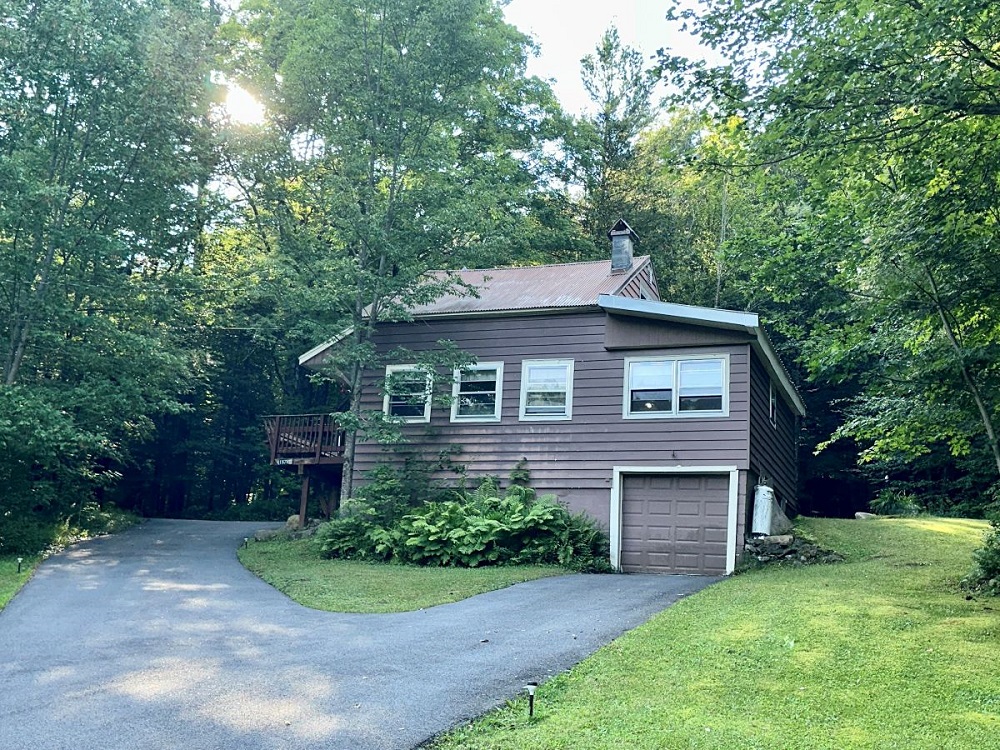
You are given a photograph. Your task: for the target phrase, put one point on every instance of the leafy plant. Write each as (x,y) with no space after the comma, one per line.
(984,578)
(893,502)
(356,534)
(476,529)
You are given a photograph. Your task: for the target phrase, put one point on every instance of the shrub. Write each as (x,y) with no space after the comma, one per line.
(25,536)
(355,534)
(895,502)
(984,578)
(482,528)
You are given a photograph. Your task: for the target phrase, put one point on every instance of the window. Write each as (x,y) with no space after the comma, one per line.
(407,393)
(675,387)
(546,389)
(772,405)
(477,393)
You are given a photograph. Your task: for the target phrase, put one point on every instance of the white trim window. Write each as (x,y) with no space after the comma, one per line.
(477,393)
(546,389)
(407,393)
(678,386)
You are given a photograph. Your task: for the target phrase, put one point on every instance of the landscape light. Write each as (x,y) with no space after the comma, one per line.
(246,542)
(531,687)
(19,561)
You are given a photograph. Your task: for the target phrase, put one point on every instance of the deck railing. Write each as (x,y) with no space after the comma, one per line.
(304,438)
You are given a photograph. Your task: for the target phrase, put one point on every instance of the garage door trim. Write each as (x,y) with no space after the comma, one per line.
(616,504)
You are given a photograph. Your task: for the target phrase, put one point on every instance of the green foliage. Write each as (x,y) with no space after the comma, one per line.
(356,534)
(984,578)
(895,502)
(482,528)
(31,534)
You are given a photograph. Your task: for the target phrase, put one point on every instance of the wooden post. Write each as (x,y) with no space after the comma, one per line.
(305,496)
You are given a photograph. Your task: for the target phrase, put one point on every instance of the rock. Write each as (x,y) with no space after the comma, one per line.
(292,524)
(861,516)
(266,535)
(783,540)
(788,549)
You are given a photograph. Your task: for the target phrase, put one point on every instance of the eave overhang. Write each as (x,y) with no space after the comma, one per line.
(710,317)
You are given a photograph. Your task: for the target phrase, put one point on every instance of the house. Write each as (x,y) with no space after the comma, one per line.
(657,419)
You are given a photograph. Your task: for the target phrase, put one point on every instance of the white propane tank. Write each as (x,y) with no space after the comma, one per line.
(763,503)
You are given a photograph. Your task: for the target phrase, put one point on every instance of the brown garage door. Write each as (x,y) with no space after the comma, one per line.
(674,523)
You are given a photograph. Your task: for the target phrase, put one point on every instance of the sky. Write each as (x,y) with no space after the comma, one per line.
(567,30)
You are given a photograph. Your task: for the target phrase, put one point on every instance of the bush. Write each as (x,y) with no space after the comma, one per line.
(984,578)
(25,536)
(474,530)
(355,534)
(894,502)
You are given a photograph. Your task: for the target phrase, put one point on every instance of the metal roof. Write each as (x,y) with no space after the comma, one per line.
(531,287)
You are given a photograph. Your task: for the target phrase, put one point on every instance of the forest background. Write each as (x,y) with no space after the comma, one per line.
(163,265)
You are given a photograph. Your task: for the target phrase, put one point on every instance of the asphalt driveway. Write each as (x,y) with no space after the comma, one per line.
(159,638)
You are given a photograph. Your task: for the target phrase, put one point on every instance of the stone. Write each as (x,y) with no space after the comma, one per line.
(266,535)
(783,540)
(861,516)
(292,523)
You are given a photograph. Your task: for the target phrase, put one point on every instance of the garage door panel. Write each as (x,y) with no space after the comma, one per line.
(675,523)
(715,535)
(688,534)
(717,509)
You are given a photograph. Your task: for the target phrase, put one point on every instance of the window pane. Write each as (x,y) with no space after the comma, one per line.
(651,401)
(546,389)
(477,405)
(700,386)
(651,387)
(651,375)
(405,408)
(407,393)
(699,403)
(541,402)
(477,393)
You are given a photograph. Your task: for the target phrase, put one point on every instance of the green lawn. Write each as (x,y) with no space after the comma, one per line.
(345,586)
(10,579)
(880,652)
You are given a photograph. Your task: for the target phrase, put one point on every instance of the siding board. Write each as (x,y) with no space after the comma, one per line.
(772,447)
(572,459)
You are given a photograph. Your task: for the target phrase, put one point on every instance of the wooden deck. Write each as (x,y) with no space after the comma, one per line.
(304,439)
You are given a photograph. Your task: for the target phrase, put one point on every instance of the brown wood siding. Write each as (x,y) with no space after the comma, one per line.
(628,332)
(773,452)
(644,278)
(573,459)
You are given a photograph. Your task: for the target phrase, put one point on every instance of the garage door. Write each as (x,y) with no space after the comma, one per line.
(674,523)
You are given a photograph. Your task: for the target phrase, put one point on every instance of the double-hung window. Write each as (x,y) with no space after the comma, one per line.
(546,389)
(407,393)
(477,393)
(682,386)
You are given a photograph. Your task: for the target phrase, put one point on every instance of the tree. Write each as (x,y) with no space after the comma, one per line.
(409,131)
(103,144)
(890,111)
(620,87)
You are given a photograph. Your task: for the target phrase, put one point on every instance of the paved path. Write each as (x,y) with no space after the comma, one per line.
(158,638)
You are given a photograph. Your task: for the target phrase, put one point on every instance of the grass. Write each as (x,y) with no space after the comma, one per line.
(880,652)
(296,569)
(10,580)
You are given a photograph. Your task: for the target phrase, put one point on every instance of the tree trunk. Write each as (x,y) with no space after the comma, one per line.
(970,382)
